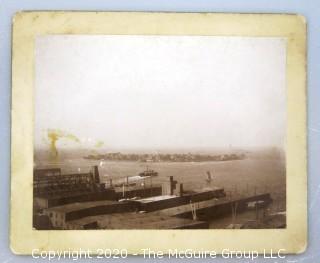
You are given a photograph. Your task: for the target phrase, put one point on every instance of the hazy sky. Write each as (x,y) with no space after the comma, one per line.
(159,92)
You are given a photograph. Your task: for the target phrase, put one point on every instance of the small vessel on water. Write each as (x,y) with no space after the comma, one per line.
(148,173)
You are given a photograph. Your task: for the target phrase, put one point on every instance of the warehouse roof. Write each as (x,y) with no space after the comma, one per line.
(83,205)
(134,220)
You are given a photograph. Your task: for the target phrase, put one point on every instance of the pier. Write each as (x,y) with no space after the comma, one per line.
(214,208)
(82,201)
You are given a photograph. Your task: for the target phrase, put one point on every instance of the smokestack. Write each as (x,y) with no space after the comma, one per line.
(181,190)
(96,174)
(172,184)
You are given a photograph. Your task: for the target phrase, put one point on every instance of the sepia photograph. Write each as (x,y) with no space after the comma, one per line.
(137,130)
(159,132)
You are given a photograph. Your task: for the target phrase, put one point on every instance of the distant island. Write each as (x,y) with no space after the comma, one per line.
(189,157)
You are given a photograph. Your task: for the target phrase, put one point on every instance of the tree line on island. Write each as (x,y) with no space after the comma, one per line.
(159,157)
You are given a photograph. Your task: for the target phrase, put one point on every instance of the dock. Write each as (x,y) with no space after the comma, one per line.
(168,201)
(137,191)
(82,201)
(152,220)
(214,208)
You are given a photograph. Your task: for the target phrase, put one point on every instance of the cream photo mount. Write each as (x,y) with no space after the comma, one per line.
(28,25)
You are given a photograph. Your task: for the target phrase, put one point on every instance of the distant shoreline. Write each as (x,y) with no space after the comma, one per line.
(151,158)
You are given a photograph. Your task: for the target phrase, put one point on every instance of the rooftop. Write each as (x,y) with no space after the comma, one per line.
(69,193)
(155,198)
(136,187)
(79,206)
(133,220)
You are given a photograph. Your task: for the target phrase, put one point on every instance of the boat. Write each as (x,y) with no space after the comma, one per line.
(148,173)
